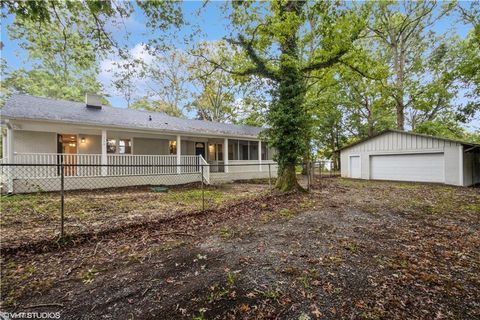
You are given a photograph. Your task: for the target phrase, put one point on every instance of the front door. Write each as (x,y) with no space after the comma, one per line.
(67,147)
(200,149)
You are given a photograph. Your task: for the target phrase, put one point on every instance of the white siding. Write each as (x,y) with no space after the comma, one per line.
(92,144)
(34,142)
(403,143)
(150,146)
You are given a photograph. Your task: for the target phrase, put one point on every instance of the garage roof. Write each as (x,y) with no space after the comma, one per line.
(27,107)
(468,144)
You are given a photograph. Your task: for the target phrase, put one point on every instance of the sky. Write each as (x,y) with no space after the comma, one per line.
(213,26)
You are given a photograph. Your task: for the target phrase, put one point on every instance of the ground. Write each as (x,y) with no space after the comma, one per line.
(35,217)
(349,249)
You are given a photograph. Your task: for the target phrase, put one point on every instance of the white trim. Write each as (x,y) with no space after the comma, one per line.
(10,151)
(260,154)
(104,156)
(225,154)
(4,145)
(179,154)
(349,174)
(460,165)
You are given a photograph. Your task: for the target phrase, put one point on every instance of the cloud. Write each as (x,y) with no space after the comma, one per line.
(110,66)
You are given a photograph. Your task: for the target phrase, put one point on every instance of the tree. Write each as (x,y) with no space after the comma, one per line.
(368,106)
(166,78)
(468,70)
(402,30)
(64,64)
(156,106)
(270,38)
(65,39)
(215,88)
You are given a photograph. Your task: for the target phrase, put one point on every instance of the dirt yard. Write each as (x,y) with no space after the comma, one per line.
(349,249)
(36,217)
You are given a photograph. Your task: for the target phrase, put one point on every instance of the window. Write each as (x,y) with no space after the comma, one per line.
(220,152)
(172,146)
(232,149)
(124,146)
(211,151)
(111,145)
(264,152)
(121,146)
(253,150)
(243,150)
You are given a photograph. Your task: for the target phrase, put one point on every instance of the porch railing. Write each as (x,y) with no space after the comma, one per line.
(89,165)
(206,169)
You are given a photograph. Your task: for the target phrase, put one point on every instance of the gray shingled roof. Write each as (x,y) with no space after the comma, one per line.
(35,108)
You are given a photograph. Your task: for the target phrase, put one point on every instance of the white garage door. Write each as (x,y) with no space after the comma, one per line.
(408,167)
(355,171)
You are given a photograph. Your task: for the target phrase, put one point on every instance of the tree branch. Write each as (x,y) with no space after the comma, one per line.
(260,67)
(325,64)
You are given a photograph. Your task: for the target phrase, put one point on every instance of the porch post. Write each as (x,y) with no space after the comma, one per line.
(104,160)
(260,155)
(10,159)
(225,154)
(10,154)
(4,145)
(179,154)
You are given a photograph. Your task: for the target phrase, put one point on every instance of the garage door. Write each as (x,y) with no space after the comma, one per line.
(355,171)
(408,167)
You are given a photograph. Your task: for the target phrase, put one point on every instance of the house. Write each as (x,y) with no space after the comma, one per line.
(406,156)
(84,135)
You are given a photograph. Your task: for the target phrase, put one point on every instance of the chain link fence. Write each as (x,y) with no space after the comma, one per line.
(48,201)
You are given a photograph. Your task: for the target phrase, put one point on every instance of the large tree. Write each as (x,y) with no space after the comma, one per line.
(402,28)
(215,89)
(64,40)
(270,39)
(62,64)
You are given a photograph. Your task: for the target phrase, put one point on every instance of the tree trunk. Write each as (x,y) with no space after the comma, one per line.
(287,114)
(287,179)
(399,64)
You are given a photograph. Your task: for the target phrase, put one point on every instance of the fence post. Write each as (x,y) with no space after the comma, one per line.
(269,177)
(62,198)
(203,193)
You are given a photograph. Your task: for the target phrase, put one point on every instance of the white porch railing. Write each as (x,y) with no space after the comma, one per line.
(206,169)
(90,165)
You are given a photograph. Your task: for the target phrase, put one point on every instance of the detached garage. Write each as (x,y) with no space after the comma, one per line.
(405,156)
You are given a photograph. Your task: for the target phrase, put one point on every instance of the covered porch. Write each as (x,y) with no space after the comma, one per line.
(94,153)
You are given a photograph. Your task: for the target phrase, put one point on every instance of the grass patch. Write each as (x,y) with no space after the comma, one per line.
(287,213)
(226,233)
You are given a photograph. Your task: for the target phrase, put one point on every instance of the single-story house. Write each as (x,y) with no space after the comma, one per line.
(39,130)
(406,156)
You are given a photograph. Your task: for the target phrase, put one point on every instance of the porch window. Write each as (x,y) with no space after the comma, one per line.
(253,150)
(124,146)
(232,149)
(215,151)
(111,145)
(120,146)
(264,152)
(172,146)
(219,152)
(243,150)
